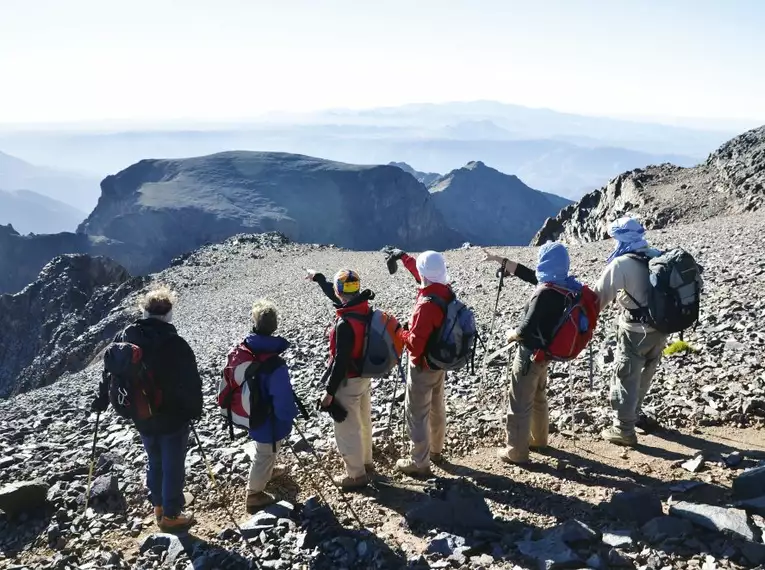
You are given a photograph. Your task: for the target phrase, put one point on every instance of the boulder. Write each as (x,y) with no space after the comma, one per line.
(664,527)
(21,497)
(574,533)
(756,506)
(161,542)
(459,509)
(750,484)
(550,553)
(104,488)
(635,506)
(721,519)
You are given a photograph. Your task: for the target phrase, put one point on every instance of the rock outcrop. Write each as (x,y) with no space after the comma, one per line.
(732,180)
(427,178)
(164,208)
(492,208)
(61,321)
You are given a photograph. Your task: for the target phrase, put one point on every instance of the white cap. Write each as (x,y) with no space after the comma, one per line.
(432,267)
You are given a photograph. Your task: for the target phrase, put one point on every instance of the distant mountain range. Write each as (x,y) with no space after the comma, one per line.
(79,191)
(557,152)
(30,212)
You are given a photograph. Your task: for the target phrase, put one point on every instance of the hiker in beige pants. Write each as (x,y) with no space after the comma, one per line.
(354,435)
(527,411)
(425,413)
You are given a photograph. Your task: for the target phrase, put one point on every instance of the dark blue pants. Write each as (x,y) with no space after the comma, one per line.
(166,475)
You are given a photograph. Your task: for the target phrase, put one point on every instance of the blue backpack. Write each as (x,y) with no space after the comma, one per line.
(453,345)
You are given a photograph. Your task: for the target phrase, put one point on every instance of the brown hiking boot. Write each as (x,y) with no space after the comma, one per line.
(158,513)
(351,483)
(616,436)
(409,467)
(511,456)
(179,523)
(256,501)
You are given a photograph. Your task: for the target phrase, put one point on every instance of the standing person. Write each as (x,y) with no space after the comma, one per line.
(174,404)
(348,397)
(528,415)
(425,402)
(639,347)
(276,389)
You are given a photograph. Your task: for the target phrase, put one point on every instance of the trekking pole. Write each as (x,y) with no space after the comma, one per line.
(224,498)
(491,324)
(395,390)
(592,372)
(320,465)
(92,461)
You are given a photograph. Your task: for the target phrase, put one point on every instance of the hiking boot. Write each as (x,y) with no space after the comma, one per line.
(616,436)
(158,513)
(351,483)
(646,424)
(279,471)
(179,523)
(437,458)
(510,456)
(409,467)
(256,501)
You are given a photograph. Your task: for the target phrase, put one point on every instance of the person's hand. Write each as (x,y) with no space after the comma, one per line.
(326,401)
(512,337)
(310,274)
(491,257)
(100,403)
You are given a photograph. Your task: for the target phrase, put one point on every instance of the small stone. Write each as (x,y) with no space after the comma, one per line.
(163,542)
(694,465)
(666,527)
(550,553)
(714,518)
(637,506)
(21,497)
(574,533)
(734,459)
(617,538)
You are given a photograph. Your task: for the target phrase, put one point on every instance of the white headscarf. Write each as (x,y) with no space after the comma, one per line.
(432,267)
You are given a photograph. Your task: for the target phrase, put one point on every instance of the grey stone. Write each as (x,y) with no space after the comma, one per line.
(459,509)
(104,488)
(664,527)
(21,497)
(574,533)
(257,523)
(637,506)
(445,544)
(734,459)
(550,553)
(720,519)
(756,506)
(617,538)
(694,465)
(749,484)
(160,542)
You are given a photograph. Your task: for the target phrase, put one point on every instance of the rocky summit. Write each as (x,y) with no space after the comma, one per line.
(582,504)
(732,180)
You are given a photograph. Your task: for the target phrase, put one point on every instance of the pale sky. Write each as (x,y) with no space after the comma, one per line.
(90,60)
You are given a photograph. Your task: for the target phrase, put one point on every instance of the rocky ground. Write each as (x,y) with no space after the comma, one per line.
(674,502)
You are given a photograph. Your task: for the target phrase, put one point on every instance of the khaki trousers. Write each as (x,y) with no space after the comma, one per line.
(354,434)
(425,413)
(262,466)
(527,413)
(638,354)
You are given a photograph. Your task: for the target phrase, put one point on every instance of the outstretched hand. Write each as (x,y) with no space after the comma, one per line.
(491,257)
(310,274)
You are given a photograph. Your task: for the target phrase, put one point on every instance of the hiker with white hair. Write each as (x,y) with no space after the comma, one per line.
(425,403)
(639,346)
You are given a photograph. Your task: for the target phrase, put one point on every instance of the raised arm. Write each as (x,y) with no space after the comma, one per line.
(513,268)
(326,287)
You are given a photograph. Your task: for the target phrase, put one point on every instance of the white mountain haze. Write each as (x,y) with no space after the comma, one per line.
(556,152)
(30,212)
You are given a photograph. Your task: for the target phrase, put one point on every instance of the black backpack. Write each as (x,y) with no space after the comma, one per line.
(674,296)
(135,392)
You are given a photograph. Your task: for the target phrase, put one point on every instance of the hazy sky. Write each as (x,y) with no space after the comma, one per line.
(73,60)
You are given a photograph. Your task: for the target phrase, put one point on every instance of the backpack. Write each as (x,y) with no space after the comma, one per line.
(575,328)
(382,347)
(240,395)
(674,296)
(134,392)
(453,345)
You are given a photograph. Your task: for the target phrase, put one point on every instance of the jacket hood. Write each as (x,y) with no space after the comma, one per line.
(158,326)
(266,344)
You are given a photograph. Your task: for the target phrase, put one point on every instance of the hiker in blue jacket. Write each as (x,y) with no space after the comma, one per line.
(277,387)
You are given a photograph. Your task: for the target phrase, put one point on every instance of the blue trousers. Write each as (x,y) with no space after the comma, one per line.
(167,469)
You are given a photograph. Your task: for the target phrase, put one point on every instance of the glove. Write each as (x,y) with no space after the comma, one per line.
(335,410)
(101,402)
(393,255)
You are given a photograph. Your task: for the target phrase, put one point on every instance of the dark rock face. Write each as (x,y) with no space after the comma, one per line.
(492,208)
(732,180)
(18,498)
(60,322)
(167,207)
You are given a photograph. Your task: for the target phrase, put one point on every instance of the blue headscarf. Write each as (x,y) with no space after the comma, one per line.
(553,266)
(629,235)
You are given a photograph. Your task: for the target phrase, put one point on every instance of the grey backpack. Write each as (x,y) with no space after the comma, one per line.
(675,293)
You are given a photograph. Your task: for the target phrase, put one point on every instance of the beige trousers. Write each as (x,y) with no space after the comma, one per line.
(527,413)
(638,354)
(425,413)
(262,466)
(354,434)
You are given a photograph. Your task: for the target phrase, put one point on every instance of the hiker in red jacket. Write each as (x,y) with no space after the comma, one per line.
(425,403)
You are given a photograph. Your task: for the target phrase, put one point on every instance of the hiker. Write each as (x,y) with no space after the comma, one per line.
(348,397)
(638,345)
(527,415)
(280,410)
(424,402)
(172,400)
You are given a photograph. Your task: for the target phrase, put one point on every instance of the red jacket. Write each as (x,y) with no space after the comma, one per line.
(426,318)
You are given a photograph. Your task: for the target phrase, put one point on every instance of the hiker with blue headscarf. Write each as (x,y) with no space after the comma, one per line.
(639,346)
(527,422)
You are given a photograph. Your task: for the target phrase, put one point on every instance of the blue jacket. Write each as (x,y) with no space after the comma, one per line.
(276,385)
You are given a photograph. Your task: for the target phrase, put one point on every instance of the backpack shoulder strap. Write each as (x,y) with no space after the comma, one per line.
(443,305)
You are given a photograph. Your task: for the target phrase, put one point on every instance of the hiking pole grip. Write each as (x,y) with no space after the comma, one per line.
(92,461)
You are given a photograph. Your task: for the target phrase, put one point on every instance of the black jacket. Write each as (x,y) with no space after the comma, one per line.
(540,315)
(175,369)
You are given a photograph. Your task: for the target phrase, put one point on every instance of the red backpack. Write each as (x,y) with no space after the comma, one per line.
(576,326)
